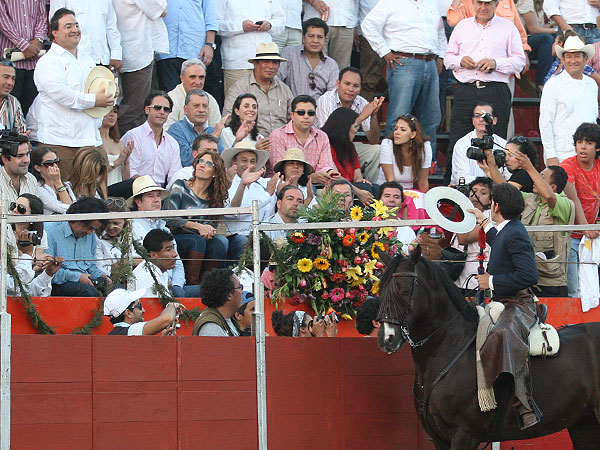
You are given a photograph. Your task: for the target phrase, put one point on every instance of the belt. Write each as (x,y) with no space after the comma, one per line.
(482,84)
(422,56)
(585,26)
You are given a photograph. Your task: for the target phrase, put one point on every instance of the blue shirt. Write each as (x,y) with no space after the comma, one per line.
(184,133)
(79,254)
(187,22)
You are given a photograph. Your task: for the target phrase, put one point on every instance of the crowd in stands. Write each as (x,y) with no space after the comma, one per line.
(259,101)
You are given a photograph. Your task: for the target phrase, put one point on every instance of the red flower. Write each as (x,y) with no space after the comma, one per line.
(325,295)
(298,237)
(348,240)
(337,277)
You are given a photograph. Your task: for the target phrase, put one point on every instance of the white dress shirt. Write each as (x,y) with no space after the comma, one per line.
(52,205)
(60,79)
(138,33)
(293,13)
(178,96)
(100,37)
(364,8)
(566,103)
(40,286)
(143,279)
(330,101)
(185,173)
(407,26)
(342,13)
(463,167)
(242,223)
(236,45)
(572,11)
(107,254)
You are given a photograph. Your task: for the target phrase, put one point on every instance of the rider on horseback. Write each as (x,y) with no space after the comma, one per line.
(511,273)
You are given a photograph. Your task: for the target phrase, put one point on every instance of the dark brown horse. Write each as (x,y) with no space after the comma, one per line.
(421,306)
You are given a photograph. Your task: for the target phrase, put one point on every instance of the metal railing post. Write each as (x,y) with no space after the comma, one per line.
(5,333)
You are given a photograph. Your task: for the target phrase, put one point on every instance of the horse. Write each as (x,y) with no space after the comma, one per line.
(420,305)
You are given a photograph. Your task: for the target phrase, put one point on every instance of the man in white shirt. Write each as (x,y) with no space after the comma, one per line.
(568,100)
(242,26)
(193,76)
(341,16)
(577,15)
(60,77)
(201,143)
(410,37)
(160,245)
(100,37)
(463,167)
(137,22)
(289,200)
(292,33)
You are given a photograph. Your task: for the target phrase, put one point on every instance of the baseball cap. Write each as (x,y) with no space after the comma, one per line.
(247,296)
(118,300)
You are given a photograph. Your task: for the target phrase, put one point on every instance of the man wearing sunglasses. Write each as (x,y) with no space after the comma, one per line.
(14,176)
(300,133)
(155,152)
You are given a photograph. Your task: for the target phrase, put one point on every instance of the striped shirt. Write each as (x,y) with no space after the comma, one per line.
(20,22)
(11,114)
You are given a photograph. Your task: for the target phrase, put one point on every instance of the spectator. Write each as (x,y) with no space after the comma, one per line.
(126,313)
(482,71)
(300,133)
(583,186)
(60,76)
(201,143)
(194,123)
(371,64)
(365,318)
(90,168)
(196,236)
(11,114)
(243,124)
(463,166)
(577,15)
(28,237)
(243,27)
(55,194)
(308,71)
(243,315)
(273,96)
(301,324)
(406,155)
(155,152)
(35,285)
(14,177)
(100,38)
(296,171)
(289,199)
(340,128)
(117,153)
(191,27)
(24,25)
(160,246)
(568,100)
(341,16)
(147,196)
(193,76)
(75,241)
(221,292)
(344,188)
(548,205)
(411,39)
(292,33)
(392,195)
(520,178)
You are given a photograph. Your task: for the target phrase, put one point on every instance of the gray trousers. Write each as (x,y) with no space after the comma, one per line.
(136,87)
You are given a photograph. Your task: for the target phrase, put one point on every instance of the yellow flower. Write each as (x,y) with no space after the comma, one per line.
(375,245)
(370,267)
(353,276)
(356,213)
(346,317)
(383,231)
(321,263)
(375,288)
(380,209)
(363,237)
(304,265)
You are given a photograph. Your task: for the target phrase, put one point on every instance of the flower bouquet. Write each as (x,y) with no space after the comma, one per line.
(333,269)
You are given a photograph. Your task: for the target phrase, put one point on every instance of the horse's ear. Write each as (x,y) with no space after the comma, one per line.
(415,256)
(385,257)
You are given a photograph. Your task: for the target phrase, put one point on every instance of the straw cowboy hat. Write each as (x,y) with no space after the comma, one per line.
(262,156)
(294,154)
(100,78)
(144,184)
(573,44)
(268,51)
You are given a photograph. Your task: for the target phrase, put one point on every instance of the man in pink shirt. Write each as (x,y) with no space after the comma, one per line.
(300,133)
(483,52)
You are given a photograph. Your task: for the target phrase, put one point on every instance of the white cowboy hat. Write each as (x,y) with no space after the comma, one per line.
(573,44)
(262,156)
(145,184)
(268,51)
(100,78)
(294,154)
(437,194)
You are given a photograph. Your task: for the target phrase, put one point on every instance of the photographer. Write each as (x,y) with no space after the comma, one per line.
(14,176)
(301,324)
(514,150)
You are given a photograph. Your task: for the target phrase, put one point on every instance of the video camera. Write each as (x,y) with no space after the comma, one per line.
(479,145)
(10,141)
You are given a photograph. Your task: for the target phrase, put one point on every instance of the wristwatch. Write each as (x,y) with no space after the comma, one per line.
(211,45)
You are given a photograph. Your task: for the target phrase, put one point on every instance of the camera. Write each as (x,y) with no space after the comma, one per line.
(10,141)
(479,145)
(34,239)
(462,187)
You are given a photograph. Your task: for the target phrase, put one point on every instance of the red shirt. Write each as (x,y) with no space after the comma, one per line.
(587,184)
(346,171)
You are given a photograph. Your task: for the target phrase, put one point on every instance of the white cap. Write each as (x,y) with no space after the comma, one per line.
(118,300)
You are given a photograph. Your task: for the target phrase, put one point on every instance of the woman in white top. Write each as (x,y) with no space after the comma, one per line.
(242,125)
(54,194)
(406,157)
(117,153)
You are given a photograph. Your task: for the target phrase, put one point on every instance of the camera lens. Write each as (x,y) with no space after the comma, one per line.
(475,154)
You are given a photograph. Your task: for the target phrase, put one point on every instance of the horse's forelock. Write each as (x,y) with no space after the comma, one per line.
(392,305)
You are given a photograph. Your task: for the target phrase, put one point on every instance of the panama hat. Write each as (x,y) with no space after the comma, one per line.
(268,51)
(262,156)
(145,184)
(574,44)
(100,78)
(294,154)
(118,300)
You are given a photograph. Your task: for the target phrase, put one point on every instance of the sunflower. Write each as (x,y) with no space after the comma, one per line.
(363,237)
(321,263)
(304,265)
(348,240)
(375,245)
(356,213)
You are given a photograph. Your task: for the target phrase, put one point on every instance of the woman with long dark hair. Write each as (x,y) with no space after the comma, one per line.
(341,128)
(405,156)
(117,153)
(242,124)
(55,194)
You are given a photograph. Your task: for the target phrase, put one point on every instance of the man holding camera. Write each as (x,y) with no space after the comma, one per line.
(14,176)
(470,168)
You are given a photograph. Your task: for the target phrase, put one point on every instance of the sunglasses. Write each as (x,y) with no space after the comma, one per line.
(313,83)
(50,163)
(479,115)
(7,63)
(21,209)
(137,305)
(118,202)
(207,164)
(518,139)
(301,112)
(166,109)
